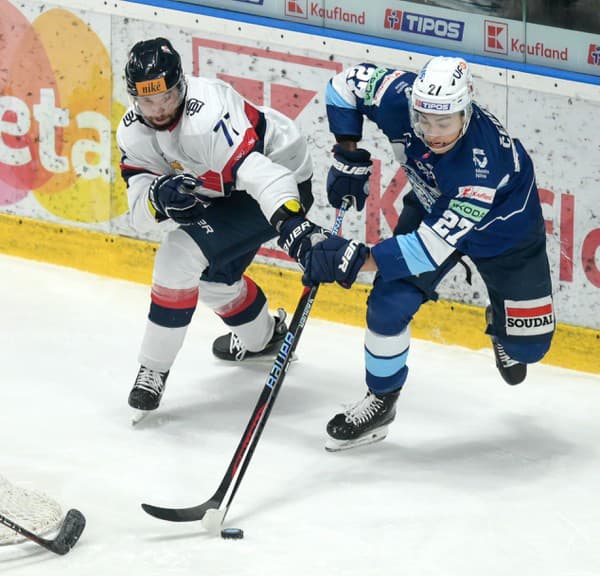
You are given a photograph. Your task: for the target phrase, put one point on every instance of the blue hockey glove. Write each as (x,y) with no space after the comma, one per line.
(172,196)
(297,236)
(335,259)
(349,176)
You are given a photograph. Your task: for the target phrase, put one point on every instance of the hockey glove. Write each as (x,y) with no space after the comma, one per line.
(349,176)
(297,236)
(335,259)
(172,196)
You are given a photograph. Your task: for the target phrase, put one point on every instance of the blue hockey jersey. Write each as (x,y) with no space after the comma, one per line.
(479,198)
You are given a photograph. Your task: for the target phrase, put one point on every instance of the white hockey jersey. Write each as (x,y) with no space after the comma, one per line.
(222,139)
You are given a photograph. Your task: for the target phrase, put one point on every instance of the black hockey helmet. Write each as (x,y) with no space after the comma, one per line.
(155,82)
(154,66)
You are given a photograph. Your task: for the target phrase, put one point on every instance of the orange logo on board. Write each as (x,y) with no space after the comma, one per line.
(56,123)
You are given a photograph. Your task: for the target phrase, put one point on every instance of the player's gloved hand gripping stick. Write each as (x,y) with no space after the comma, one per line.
(177,196)
(210,512)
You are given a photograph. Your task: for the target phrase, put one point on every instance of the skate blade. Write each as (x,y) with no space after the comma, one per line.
(139,415)
(377,435)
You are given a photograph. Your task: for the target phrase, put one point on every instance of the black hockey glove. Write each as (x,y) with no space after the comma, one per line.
(172,196)
(297,236)
(335,259)
(349,176)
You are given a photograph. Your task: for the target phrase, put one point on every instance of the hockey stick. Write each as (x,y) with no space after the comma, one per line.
(67,536)
(210,511)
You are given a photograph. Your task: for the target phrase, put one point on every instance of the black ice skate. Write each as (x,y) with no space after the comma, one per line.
(147,391)
(230,347)
(511,370)
(362,423)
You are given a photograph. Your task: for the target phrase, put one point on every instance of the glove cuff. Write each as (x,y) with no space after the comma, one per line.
(291,209)
(354,156)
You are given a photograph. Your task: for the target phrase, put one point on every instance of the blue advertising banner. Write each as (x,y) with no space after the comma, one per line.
(548,33)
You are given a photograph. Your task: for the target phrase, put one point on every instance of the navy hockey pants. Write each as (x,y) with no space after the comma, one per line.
(520,293)
(229,236)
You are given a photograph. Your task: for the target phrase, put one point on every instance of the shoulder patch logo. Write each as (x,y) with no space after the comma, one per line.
(129,118)
(193,106)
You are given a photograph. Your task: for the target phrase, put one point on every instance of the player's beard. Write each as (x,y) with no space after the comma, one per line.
(165,121)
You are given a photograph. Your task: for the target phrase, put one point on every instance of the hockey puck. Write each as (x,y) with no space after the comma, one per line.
(232,533)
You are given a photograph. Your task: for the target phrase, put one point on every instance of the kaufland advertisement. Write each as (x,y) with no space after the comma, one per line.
(58,161)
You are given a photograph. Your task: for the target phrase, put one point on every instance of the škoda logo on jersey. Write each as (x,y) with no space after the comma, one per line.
(529,317)
(55,115)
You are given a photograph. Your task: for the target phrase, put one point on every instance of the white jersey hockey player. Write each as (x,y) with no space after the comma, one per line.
(232,175)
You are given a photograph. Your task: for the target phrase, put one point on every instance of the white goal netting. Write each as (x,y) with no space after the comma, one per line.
(30,509)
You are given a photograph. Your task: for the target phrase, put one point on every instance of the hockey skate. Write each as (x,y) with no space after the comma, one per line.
(146,392)
(362,423)
(511,370)
(229,347)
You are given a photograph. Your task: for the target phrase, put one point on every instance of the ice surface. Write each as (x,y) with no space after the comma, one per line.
(475,478)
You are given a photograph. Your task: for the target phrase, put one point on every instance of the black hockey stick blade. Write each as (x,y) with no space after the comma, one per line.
(190,514)
(67,536)
(69,533)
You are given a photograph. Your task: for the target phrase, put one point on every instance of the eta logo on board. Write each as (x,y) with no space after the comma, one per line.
(594,54)
(56,116)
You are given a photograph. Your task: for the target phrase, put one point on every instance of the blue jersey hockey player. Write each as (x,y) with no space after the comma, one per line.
(473,193)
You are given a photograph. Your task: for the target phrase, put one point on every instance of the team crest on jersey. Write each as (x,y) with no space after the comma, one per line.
(481,161)
(176,165)
(193,106)
(529,317)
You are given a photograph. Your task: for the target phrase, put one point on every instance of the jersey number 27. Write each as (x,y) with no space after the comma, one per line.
(451,222)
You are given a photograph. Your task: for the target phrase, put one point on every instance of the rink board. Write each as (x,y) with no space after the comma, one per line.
(131,259)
